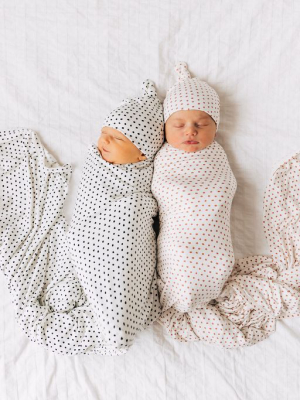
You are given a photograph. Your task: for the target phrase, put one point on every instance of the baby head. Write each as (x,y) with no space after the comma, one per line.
(191,112)
(133,132)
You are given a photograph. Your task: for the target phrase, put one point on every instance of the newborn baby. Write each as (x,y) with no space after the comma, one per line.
(111,244)
(194,187)
(111,237)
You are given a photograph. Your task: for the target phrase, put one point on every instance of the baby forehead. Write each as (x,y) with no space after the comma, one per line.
(113,131)
(189,115)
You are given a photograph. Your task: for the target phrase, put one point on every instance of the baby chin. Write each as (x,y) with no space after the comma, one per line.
(104,155)
(192,148)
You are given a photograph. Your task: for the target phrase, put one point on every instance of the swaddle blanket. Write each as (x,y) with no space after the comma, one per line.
(110,245)
(111,239)
(194,193)
(200,300)
(113,246)
(50,304)
(115,241)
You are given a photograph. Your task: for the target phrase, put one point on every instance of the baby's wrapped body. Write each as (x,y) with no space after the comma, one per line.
(111,234)
(92,288)
(204,295)
(194,192)
(113,247)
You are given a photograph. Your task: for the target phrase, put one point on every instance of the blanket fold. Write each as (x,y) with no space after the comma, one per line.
(206,295)
(50,301)
(112,245)
(54,275)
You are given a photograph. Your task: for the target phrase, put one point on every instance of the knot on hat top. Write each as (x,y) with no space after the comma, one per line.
(182,71)
(148,88)
(191,94)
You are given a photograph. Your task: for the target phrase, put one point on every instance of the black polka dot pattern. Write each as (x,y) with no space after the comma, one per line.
(113,247)
(51,304)
(140,119)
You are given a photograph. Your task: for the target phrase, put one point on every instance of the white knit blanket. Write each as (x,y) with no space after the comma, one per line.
(203,294)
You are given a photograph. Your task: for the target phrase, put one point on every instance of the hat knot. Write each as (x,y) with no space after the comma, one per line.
(182,71)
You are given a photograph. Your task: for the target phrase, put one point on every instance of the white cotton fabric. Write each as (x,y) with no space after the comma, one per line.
(64,65)
(111,242)
(191,94)
(111,239)
(204,297)
(194,192)
(113,245)
(110,246)
(140,119)
(50,304)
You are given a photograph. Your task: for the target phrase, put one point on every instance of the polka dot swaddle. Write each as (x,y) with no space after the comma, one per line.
(113,246)
(205,295)
(194,192)
(90,290)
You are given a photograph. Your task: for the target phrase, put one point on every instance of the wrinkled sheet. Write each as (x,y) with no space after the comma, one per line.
(64,66)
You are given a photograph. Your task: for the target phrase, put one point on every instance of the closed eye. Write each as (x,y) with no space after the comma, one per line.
(178,126)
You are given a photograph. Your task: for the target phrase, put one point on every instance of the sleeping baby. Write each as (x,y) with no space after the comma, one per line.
(91,288)
(194,187)
(111,237)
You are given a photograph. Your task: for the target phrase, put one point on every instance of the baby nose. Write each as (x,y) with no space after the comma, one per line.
(190,131)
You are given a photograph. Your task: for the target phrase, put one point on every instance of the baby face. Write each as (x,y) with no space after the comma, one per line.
(116,148)
(190,130)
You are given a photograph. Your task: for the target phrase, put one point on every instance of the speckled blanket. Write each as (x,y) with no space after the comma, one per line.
(89,289)
(204,293)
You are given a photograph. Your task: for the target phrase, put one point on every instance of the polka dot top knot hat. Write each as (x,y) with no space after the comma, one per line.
(191,94)
(140,119)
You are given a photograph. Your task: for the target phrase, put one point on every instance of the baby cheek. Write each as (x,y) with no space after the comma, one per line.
(173,134)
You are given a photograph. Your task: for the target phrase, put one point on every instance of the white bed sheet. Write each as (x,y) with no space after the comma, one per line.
(63,66)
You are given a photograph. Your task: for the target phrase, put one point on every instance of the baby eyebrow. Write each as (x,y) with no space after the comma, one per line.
(180,119)
(204,117)
(120,136)
(115,135)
